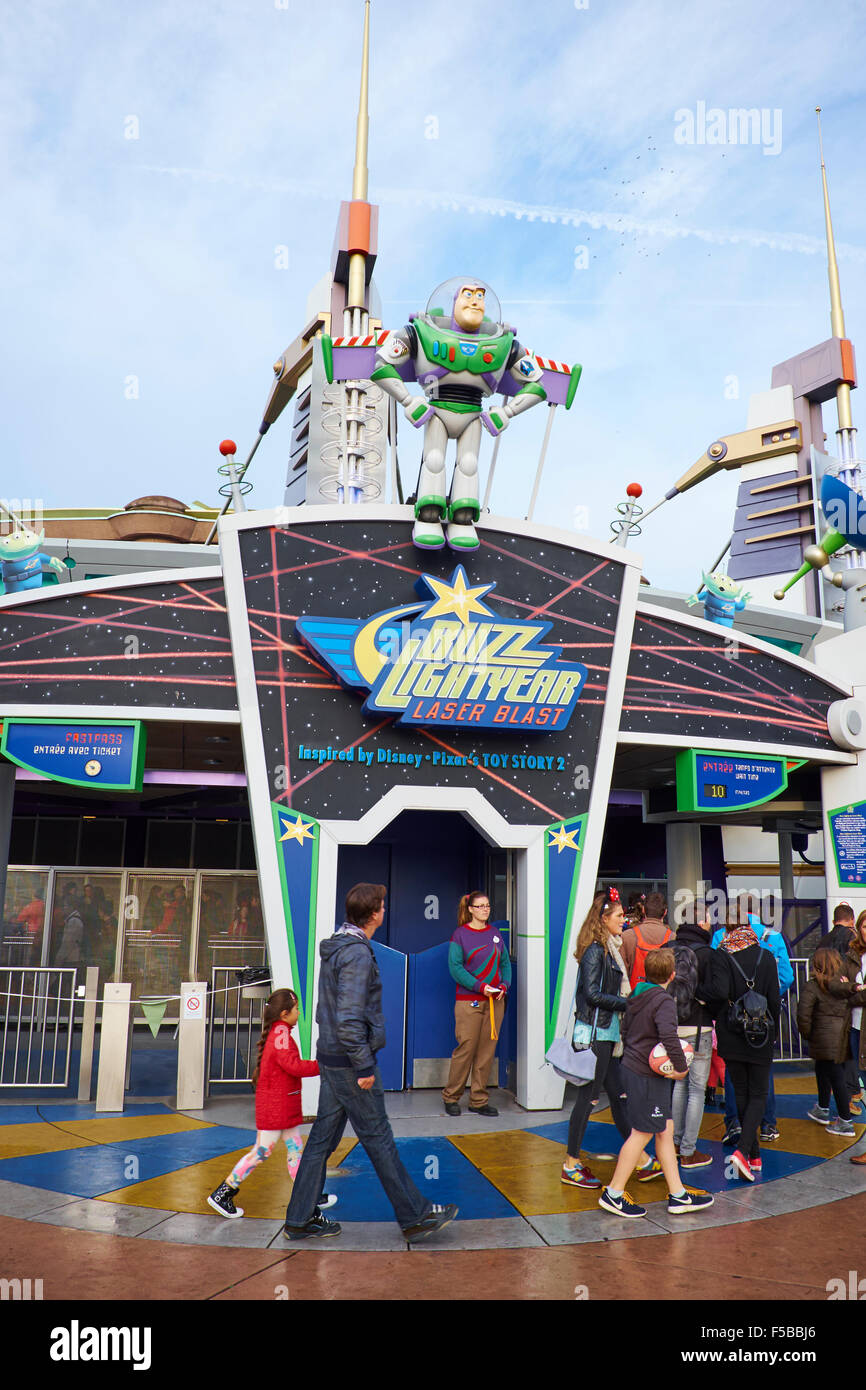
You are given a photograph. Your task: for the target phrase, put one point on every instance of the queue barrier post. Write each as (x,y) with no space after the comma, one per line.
(88,1032)
(192,1045)
(113,1047)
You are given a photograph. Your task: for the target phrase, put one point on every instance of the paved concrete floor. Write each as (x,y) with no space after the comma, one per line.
(790,1257)
(115,1207)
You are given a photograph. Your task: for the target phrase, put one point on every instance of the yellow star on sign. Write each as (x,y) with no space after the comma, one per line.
(563,839)
(457,597)
(298,831)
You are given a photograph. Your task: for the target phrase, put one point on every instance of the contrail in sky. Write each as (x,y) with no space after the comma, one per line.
(669,228)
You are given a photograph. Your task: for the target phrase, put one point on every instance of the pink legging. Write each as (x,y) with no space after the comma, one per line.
(266,1141)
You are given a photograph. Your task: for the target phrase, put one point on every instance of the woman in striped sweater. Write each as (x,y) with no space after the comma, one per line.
(480,966)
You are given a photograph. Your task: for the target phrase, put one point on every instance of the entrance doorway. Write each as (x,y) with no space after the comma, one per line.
(427,860)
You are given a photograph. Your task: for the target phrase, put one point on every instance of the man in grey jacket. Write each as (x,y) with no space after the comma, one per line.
(351,1032)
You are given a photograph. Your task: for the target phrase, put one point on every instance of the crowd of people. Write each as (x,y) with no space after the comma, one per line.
(724,999)
(661,1014)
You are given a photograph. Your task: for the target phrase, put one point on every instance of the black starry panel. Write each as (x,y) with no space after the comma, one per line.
(353,570)
(165,645)
(690,683)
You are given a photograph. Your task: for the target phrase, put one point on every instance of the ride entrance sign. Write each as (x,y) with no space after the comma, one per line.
(373,679)
(713,781)
(85,753)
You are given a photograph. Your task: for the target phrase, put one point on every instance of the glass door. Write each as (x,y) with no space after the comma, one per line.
(157,930)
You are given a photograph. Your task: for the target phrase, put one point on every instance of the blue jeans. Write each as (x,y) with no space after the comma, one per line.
(690,1096)
(731,1116)
(342,1099)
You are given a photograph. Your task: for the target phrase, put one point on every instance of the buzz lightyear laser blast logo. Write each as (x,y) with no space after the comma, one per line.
(450,660)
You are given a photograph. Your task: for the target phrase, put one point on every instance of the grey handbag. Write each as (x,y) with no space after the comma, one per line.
(571,1065)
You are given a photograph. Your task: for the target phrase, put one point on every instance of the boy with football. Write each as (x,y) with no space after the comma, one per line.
(651,1019)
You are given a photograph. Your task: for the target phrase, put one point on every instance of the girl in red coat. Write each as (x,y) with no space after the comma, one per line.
(277,1079)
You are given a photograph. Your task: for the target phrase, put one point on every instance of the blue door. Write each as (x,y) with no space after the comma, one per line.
(392,1059)
(430,1030)
(430,1024)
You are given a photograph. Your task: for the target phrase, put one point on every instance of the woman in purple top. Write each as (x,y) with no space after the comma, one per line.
(480,966)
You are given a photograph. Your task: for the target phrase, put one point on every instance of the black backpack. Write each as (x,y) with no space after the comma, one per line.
(685,982)
(750,1015)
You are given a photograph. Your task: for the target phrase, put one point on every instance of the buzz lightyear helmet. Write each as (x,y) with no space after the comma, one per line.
(20,543)
(721,584)
(440,305)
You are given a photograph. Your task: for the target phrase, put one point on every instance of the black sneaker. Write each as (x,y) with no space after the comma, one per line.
(621,1206)
(767,1133)
(319,1225)
(327,1199)
(482,1110)
(731,1136)
(692,1200)
(439,1217)
(451,1108)
(222,1200)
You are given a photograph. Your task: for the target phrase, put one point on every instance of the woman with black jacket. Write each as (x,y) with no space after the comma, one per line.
(824,1020)
(739,960)
(602,985)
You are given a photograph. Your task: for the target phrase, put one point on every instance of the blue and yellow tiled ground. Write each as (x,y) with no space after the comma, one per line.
(506,1180)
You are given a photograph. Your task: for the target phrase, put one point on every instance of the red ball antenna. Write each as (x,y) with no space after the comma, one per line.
(626,525)
(227,447)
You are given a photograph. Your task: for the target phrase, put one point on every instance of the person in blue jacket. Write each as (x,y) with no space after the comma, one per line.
(774,942)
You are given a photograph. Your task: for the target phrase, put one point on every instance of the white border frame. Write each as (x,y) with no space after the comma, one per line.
(258,782)
(527,840)
(598,801)
(107,581)
(295,516)
(538,1087)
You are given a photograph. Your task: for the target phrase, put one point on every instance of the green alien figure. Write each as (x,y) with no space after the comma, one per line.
(721,597)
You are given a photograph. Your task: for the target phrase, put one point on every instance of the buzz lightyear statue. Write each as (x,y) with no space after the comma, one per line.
(721,596)
(458,356)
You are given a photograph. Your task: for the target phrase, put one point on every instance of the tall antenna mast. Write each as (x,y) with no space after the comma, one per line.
(837,316)
(357,260)
(356,317)
(849,465)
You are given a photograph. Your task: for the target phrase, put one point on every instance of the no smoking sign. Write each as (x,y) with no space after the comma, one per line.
(193,1006)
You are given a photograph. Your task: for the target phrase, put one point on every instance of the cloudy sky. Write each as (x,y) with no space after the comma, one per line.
(538,146)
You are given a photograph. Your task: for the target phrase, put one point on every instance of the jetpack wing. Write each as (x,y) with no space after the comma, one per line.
(558,379)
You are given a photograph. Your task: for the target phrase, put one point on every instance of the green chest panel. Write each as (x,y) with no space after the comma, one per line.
(442,347)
